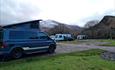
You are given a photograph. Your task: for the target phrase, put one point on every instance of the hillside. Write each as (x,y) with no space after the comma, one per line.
(91,23)
(54,27)
(106,22)
(104,29)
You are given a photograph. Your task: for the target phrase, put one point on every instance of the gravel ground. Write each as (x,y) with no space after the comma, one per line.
(67,48)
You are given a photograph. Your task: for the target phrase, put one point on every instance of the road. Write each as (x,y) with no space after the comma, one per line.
(67,48)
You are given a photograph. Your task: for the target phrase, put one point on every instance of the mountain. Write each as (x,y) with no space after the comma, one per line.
(74,27)
(104,29)
(91,23)
(106,22)
(48,23)
(54,27)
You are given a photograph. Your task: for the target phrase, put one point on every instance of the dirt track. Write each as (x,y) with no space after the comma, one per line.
(67,48)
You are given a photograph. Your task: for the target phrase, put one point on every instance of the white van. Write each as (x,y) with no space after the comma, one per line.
(62,37)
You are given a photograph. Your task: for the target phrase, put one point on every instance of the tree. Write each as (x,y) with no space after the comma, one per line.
(91,23)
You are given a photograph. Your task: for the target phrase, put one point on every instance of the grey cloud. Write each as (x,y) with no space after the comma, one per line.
(97,16)
(12,11)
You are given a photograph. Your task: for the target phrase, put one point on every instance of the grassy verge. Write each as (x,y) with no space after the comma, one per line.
(86,60)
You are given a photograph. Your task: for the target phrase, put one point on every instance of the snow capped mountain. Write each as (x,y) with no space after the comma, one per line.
(48,24)
(54,27)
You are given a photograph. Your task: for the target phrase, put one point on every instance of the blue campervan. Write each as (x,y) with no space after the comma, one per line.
(16,40)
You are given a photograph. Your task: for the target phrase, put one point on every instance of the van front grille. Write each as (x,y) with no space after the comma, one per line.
(0,44)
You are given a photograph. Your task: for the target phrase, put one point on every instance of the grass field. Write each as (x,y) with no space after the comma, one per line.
(86,60)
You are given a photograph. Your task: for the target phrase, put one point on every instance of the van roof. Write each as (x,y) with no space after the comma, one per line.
(21,23)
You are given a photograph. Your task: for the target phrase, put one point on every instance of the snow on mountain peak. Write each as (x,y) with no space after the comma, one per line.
(48,23)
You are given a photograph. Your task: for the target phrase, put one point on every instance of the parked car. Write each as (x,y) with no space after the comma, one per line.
(63,37)
(15,42)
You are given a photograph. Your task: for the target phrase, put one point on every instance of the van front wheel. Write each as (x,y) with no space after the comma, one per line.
(51,49)
(16,53)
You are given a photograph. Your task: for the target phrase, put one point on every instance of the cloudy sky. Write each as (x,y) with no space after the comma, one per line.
(76,12)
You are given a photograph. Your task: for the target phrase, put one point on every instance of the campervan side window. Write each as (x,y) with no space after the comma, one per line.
(60,36)
(22,35)
(34,25)
(43,36)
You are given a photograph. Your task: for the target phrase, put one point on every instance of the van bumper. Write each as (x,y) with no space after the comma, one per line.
(4,56)
(3,53)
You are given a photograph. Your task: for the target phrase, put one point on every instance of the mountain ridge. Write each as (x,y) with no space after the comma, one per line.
(104,29)
(61,28)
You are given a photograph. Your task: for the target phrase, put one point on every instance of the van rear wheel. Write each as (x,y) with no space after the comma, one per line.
(17,53)
(51,49)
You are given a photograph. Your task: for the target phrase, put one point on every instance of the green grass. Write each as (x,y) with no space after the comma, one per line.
(86,60)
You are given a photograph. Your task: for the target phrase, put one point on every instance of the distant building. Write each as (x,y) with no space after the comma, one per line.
(35,24)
